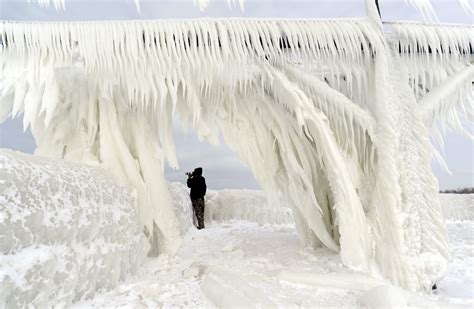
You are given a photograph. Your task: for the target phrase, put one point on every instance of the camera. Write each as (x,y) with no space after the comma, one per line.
(189,174)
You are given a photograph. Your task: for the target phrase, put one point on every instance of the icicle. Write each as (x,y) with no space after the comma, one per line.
(426,9)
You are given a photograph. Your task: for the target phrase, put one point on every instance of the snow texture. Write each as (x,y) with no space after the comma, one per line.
(231,257)
(244,205)
(324,112)
(227,289)
(458,207)
(67,231)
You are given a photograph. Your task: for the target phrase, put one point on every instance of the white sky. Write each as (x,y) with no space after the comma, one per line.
(222,168)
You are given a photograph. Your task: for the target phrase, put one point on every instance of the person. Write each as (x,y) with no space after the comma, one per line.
(198,187)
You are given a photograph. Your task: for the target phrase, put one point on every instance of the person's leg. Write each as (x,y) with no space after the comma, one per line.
(200,212)
(195,213)
(203,206)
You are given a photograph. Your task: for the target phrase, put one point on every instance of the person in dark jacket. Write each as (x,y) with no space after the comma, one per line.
(198,187)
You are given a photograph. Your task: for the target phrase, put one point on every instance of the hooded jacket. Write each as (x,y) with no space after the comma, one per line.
(197,183)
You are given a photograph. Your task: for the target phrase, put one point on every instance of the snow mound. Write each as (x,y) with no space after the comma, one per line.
(244,205)
(457,207)
(66,231)
(388,296)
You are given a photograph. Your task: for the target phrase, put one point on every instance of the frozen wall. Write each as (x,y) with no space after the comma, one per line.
(66,231)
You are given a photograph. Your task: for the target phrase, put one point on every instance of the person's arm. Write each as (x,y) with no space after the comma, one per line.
(190,182)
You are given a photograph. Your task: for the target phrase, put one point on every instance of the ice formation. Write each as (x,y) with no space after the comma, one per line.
(229,205)
(428,11)
(245,205)
(66,231)
(332,115)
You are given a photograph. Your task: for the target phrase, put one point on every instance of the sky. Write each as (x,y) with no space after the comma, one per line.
(222,168)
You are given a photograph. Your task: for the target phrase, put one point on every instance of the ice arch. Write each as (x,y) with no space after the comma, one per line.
(318,110)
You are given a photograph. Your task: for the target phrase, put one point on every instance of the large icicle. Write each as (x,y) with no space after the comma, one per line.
(437,102)
(425,7)
(428,11)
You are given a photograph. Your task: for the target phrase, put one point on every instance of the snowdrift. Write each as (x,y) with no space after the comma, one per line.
(229,205)
(66,231)
(245,205)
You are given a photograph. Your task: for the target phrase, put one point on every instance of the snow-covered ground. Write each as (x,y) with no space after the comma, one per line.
(244,264)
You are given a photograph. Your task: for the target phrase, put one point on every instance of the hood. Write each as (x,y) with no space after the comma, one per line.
(198,171)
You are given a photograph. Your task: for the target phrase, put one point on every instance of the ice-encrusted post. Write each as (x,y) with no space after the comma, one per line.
(401,218)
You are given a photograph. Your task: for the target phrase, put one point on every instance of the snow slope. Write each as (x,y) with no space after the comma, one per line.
(67,231)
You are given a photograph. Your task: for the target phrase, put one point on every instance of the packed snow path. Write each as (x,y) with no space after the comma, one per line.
(247,260)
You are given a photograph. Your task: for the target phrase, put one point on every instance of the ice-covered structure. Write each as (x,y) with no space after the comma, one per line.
(333,114)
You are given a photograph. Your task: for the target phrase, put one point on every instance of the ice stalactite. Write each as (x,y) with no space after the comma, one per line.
(311,106)
(439,104)
(425,7)
(429,13)
(467,6)
(175,51)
